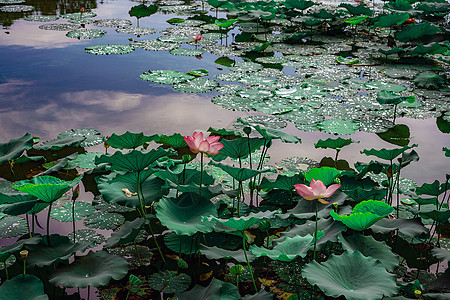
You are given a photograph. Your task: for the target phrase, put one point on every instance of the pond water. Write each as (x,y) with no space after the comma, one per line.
(49,84)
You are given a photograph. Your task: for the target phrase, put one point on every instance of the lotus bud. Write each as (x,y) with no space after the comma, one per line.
(335,206)
(82,10)
(105,144)
(389,172)
(24,254)
(237,269)
(186,158)
(247,130)
(264,225)
(76,192)
(418,294)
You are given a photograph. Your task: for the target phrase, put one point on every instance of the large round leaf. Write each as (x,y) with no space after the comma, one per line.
(94,269)
(183,215)
(64,213)
(128,140)
(15,147)
(132,161)
(287,250)
(46,188)
(242,223)
(351,275)
(23,287)
(217,289)
(104,220)
(170,282)
(357,221)
(12,227)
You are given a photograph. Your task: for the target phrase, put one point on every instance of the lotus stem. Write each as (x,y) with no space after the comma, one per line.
(89,292)
(201,174)
(6,270)
(315,232)
(73,220)
(28,226)
(395,113)
(248,263)
(128,294)
(48,223)
(138,254)
(237,282)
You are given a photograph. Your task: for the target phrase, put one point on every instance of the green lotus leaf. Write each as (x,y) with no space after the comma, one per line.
(197,85)
(298,4)
(186,52)
(7,260)
(23,287)
(428,80)
(357,221)
(336,144)
(133,161)
(19,245)
(325,174)
(58,165)
(272,133)
(400,5)
(16,8)
(376,207)
(336,126)
(46,188)
(387,154)
(141,11)
(432,189)
(60,143)
(394,50)
(12,227)
(186,177)
(440,216)
(87,236)
(283,181)
(287,250)
(126,234)
(92,136)
(217,289)
(245,67)
(199,72)
(348,61)
(166,76)
(359,194)
(298,93)
(225,23)
(216,3)
(104,220)
(180,243)
(388,20)
(370,247)
(355,21)
(398,135)
(36,18)
(242,223)
(169,281)
(83,161)
(109,49)
(272,107)
(408,227)
(130,177)
(441,254)
(15,147)
(86,34)
(220,253)
(61,248)
(416,31)
(115,192)
(240,174)
(443,125)
(94,269)
(382,85)
(351,275)
(183,214)
(360,9)
(238,148)
(386,97)
(421,50)
(324,14)
(64,213)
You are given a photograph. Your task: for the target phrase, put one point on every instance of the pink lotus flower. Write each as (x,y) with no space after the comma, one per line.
(316,190)
(197,143)
(197,38)
(82,10)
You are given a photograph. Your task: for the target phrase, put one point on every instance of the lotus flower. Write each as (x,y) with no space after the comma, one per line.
(197,143)
(316,190)
(197,38)
(82,10)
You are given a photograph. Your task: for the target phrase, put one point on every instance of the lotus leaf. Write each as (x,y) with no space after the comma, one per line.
(360,9)
(141,11)
(220,253)
(297,92)
(14,247)
(92,136)
(94,269)
(272,133)
(166,76)
(186,177)
(104,220)
(382,85)
(325,174)
(356,20)
(86,34)
(238,148)
(83,161)
(46,188)
(284,181)
(78,15)
(376,207)
(109,49)
(129,140)
(23,287)
(126,234)
(398,135)
(157,45)
(440,216)
(133,161)
(429,80)
(386,97)
(336,144)
(12,226)
(255,93)
(14,148)
(87,236)
(432,189)
(240,174)
(370,247)
(64,213)
(245,67)
(183,214)
(264,120)
(387,154)
(186,52)
(422,50)
(388,20)
(7,260)
(225,23)
(136,30)
(351,275)
(336,126)
(243,223)
(416,31)
(112,23)
(169,281)
(288,250)
(441,254)
(197,85)
(16,8)
(217,289)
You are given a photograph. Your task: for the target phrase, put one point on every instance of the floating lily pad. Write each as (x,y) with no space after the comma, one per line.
(382,85)
(86,34)
(297,92)
(335,126)
(78,15)
(83,161)
(11,1)
(266,121)
(272,107)
(255,93)
(166,76)
(112,23)
(140,258)
(104,220)
(197,85)
(92,137)
(233,102)
(136,30)
(12,227)
(39,18)
(230,88)
(16,8)
(87,236)
(155,45)
(233,76)
(60,27)
(23,287)
(186,52)
(64,213)
(109,49)
(169,281)
(245,67)
(257,80)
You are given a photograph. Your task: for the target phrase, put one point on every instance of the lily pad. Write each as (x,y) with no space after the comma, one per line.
(362,277)
(166,76)
(155,45)
(169,281)
(186,52)
(87,236)
(112,23)
(92,137)
(86,34)
(109,49)
(287,250)
(335,126)
(104,220)
(136,30)
(64,213)
(12,227)
(382,85)
(197,85)
(16,8)
(38,18)
(23,287)
(15,148)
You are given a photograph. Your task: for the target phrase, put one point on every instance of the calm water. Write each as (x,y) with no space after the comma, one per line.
(48,84)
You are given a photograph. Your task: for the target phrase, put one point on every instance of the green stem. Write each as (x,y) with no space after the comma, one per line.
(138,254)
(201,174)
(24,268)
(128,294)
(6,270)
(246,259)
(315,231)
(28,226)
(73,220)
(48,223)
